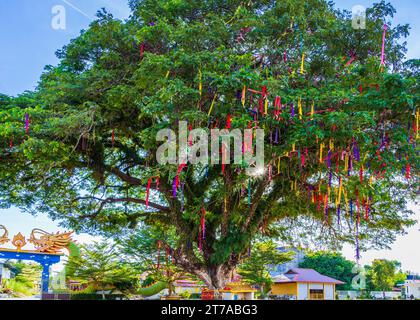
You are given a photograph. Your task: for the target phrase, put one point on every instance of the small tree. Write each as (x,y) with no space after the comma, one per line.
(383,274)
(256,268)
(331,264)
(99,263)
(149,251)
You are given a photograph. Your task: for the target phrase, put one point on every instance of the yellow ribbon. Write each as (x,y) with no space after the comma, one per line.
(200,85)
(321,149)
(340,190)
(300,108)
(346,162)
(313,110)
(243,96)
(302,70)
(346,200)
(212,104)
(331,144)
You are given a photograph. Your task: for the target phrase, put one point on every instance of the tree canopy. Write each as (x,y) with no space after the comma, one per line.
(340,128)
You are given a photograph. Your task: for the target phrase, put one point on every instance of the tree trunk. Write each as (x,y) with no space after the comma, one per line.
(170,288)
(215,277)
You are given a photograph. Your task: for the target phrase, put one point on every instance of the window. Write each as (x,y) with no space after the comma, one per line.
(316,294)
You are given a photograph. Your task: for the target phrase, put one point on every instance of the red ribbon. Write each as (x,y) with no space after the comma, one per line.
(229,122)
(203,222)
(149,182)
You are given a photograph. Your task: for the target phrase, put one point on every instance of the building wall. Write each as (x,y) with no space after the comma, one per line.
(329,292)
(284,289)
(303,291)
(412,288)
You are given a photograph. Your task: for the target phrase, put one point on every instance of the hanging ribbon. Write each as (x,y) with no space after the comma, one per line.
(357,242)
(149,182)
(249,193)
(302,69)
(302,159)
(175,184)
(229,122)
(243,100)
(367,209)
(261,105)
(203,222)
(200,82)
(353,57)
(27,123)
(277,106)
(326,207)
(383,45)
(407,171)
(212,104)
(321,149)
(300,108)
(329,159)
(312,110)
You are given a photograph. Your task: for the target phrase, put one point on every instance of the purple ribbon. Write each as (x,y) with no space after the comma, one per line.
(329,159)
(174,188)
(27,123)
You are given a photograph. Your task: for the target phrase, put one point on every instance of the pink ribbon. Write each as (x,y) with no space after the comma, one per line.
(27,123)
(383,45)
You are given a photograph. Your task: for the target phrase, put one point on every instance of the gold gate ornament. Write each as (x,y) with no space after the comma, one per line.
(4,238)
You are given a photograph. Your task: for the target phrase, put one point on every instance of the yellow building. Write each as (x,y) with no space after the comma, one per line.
(238,291)
(304,284)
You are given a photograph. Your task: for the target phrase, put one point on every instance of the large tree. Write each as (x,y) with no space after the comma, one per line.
(82,146)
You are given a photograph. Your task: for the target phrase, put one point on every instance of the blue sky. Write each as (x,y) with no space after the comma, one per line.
(29,43)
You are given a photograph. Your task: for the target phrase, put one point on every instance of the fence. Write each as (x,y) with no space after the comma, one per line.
(352,295)
(81,296)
